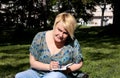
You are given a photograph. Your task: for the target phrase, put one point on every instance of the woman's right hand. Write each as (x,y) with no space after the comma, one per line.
(54,65)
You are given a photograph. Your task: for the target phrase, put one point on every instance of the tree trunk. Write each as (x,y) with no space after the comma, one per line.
(45,13)
(116,17)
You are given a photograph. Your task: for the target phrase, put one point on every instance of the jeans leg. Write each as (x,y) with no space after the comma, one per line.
(27,74)
(55,75)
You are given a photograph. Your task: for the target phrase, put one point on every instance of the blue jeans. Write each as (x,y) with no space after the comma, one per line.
(55,75)
(33,74)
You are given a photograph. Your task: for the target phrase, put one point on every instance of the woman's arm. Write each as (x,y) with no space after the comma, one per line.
(42,66)
(38,65)
(75,67)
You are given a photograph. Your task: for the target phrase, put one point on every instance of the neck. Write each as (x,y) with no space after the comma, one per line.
(59,45)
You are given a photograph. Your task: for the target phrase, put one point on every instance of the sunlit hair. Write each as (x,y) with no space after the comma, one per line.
(69,22)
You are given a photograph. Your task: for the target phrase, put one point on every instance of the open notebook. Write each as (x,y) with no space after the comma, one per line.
(64,67)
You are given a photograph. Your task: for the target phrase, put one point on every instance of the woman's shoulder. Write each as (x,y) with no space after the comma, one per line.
(40,34)
(74,42)
(43,32)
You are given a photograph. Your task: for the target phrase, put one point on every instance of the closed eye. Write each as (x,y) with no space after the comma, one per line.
(62,31)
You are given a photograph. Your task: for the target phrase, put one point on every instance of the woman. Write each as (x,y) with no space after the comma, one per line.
(51,50)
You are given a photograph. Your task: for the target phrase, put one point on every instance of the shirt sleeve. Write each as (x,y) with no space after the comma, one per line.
(35,44)
(77,54)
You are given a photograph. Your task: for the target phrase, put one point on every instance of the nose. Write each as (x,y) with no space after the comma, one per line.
(61,34)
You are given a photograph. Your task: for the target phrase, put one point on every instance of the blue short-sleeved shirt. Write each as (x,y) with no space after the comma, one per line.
(70,53)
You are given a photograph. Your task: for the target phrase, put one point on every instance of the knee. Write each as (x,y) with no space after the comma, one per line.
(59,75)
(18,75)
(56,75)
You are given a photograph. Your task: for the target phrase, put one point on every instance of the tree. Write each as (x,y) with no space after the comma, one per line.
(114,28)
(116,13)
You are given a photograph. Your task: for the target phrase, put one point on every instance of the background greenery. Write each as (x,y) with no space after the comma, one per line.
(39,14)
(17,28)
(101,54)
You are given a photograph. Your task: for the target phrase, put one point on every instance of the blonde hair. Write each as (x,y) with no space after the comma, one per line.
(68,21)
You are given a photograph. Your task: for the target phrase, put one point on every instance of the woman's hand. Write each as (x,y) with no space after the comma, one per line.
(54,65)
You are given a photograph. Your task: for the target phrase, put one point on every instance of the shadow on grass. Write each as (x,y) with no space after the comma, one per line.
(22,50)
(94,37)
(99,56)
(15,57)
(100,34)
(99,39)
(9,71)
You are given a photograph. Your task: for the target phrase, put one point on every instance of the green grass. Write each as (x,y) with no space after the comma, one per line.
(101,55)
(102,61)
(13,58)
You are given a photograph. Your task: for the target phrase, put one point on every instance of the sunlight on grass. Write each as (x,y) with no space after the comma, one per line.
(101,56)
(13,58)
(102,61)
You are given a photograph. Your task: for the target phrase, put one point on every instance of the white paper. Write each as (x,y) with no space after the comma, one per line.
(64,67)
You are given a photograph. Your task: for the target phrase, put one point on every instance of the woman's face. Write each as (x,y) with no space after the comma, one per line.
(60,33)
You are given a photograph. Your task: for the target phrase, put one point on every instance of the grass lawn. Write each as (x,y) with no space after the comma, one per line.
(101,55)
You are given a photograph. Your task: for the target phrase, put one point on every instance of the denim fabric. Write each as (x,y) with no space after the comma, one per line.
(28,74)
(33,74)
(55,75)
